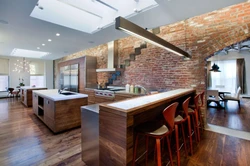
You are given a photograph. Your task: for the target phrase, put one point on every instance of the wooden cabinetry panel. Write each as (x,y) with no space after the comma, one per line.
(101,99)
(49,109)
(91,95)
(59,115)
(35,104)
(124,96)
(26,96)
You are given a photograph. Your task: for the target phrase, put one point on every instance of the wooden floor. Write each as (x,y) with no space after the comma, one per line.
(231,117)
(25,140)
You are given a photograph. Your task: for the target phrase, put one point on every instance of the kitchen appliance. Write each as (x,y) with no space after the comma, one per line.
(78,73)
(69,77)
(112,58)
(109,91)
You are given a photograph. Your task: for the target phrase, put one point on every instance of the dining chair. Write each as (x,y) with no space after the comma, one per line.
(234,97)
(12,92)
(213,96)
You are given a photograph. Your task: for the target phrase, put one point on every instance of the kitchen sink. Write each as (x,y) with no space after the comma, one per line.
(67,93)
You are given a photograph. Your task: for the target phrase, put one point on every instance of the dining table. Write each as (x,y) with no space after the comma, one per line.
(222,91)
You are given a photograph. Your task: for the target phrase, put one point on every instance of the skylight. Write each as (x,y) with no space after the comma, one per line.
(28,53)
(89,15)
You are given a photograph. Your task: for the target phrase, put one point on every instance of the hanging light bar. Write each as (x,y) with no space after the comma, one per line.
(137,31)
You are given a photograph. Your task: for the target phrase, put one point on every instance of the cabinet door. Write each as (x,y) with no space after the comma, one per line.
(100,99)
(49,110)
(35,103)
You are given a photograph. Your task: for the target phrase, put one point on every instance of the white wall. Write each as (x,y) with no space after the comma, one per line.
(14,76)
(49,73)
(237,55)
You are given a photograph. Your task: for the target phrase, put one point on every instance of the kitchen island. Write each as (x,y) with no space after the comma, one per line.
(26,94)
(117,122)
(59,112)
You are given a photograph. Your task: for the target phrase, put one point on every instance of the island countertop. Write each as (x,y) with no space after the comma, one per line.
(118,120)
(55,96)
(30,87)
(131,105)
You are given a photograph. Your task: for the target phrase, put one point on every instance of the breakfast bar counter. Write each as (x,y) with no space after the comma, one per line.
(117,121)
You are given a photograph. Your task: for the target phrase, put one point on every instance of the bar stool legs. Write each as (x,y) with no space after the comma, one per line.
(177,145)
(190,136)
(159,134)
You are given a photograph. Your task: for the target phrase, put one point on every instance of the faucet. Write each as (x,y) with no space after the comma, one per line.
(61,90)
(144,89)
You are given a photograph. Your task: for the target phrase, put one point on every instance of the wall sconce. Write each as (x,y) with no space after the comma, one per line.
(139,32)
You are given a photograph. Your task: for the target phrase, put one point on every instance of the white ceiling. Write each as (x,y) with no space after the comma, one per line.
(25,32)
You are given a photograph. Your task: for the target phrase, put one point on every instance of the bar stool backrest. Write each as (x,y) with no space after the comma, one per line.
(185,106)
(196,101)
(169,115)
(202,98)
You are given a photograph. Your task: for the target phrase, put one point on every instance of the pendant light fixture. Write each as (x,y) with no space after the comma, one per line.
(22,66)
(137,31)
(215,68)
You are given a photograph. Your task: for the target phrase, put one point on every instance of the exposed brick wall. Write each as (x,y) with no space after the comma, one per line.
(201,35)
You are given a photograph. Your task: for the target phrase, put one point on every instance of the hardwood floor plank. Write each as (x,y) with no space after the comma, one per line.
(232,116)
(25,140)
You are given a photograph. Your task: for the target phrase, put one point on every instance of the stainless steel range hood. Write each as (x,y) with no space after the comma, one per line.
(112,58)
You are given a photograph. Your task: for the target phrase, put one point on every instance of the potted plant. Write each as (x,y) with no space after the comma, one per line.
(21,82)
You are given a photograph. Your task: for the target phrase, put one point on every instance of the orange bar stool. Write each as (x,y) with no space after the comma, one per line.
(179,120)
(162,132)
(202,125)
(193,113)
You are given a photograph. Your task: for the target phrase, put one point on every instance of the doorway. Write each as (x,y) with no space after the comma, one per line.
(231,115)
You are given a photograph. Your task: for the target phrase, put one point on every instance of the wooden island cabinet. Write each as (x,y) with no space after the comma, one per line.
(58,111)
(117,121)
(26,94)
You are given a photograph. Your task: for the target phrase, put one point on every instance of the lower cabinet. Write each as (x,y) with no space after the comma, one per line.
(102,99)
(26,96)
(35,103)
(59,115)
(91,95)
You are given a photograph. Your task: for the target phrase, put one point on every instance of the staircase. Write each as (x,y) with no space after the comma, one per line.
(115,77)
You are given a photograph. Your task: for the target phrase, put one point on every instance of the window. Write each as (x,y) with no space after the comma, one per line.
(38,81)
(4,82)
(227,76)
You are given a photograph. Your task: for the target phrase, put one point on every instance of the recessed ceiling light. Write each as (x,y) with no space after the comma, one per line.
(28,53)
(58,34)
(38,48)
(43,44)
(49,40)
(91,41)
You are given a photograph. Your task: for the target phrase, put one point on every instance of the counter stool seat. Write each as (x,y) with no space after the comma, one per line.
(158,134)
(160,131)
(190,110)
(178,118)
